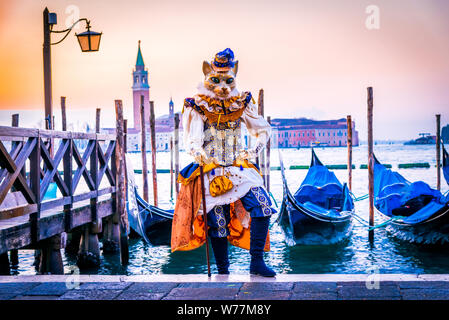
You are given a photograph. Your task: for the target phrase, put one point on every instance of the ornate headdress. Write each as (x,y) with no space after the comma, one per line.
(223,60)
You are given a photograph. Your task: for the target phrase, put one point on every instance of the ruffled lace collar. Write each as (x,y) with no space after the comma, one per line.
(215,104)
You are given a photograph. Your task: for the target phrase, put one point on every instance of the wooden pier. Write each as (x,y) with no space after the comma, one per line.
(83,168)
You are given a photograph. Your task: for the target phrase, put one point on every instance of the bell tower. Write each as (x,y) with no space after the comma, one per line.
(140,88)
(171,111)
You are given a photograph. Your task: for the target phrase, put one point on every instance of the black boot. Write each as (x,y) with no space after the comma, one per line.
(258,236)
(220,248)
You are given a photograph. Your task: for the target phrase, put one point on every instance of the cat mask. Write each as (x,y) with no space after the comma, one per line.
(220,74)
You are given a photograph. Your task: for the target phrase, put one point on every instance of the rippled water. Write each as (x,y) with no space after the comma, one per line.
(356,255)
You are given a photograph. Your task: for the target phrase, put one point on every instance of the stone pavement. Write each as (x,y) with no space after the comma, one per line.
(237,287)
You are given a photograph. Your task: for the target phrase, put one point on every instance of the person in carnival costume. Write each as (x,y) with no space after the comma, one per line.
(237,205)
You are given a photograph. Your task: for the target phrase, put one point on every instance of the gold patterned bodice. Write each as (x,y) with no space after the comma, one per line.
(222,129)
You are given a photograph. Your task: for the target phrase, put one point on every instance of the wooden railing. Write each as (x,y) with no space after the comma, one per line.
(31,159)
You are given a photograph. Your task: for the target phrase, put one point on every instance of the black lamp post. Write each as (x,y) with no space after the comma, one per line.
(88,41)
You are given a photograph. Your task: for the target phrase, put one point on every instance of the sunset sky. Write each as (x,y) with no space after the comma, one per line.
(313,58)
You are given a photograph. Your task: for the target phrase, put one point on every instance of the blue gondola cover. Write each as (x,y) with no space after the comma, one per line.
(322,188)
(392,191)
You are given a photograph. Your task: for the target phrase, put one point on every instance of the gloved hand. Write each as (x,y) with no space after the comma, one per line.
(202,159)
(250,153)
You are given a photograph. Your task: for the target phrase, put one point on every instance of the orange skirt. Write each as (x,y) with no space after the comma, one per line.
(188,229)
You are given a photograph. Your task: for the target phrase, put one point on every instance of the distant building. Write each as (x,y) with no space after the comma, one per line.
(302,132)
(140,88)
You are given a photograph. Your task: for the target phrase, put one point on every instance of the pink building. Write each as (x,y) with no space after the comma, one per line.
(296,133)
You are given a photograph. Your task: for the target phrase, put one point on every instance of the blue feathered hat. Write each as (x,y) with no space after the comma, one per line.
(224,60)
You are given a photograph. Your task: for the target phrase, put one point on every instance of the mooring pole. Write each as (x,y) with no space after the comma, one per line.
(63,114)
(349,145)
(171,167)
(143,148)
(438,150)
(267,168)
(153,151)
(97,120)
(370,161)
(176,153)
(121,184)
(260,160)
(125,137)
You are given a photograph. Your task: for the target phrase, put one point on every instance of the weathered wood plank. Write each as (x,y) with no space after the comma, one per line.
(19,235)
(18,132)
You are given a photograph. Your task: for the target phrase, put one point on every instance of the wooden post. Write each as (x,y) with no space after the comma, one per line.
(267,178)
(438,150)
(370,161)
(171,167)
(125,137)
(111,232)
(153,151)
(15,120)
(349,145)
(121,184)
(74,238)
(143,148)
(176,153)
(5,269)
(35,179)
(261,103)
(97,120)
(14,254)
(89,250)
(260,160)
(63,114)
(51,258)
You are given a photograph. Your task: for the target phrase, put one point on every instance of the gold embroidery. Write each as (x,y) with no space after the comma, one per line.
(208,167)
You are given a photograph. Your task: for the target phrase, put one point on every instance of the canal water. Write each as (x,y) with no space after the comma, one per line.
(356,255)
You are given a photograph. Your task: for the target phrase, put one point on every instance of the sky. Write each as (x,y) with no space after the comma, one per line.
(313,58)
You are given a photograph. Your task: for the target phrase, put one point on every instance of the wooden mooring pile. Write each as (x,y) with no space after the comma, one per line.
(88,170)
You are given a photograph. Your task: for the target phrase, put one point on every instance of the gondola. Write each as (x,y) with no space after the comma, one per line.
(417,213)
(320,212)
(445,164)
(149,222)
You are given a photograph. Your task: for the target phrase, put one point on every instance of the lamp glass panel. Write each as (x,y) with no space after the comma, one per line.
(83,40)
(95,42)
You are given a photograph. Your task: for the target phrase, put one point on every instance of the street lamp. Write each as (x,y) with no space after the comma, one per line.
(89,41)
